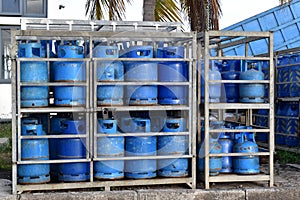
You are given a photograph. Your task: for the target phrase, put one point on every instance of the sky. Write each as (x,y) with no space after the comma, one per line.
(233,10)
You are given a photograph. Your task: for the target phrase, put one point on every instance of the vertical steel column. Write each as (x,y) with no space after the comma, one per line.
(13,119)
(206,108)
(193,131)
(92,109)
(271,110)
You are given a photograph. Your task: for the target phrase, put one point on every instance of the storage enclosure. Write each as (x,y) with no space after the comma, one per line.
(98,141)
(235,117)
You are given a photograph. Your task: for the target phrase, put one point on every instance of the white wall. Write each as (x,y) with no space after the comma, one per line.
(73,9)
(5,101)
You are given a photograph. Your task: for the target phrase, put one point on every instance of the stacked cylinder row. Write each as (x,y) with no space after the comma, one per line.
(141,69)
(227,142)
(236,92)
(110,146)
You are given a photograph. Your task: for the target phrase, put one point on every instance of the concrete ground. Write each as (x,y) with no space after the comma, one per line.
(287,186)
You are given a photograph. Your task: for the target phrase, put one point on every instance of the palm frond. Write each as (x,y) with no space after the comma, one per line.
(167,10)
(98,9)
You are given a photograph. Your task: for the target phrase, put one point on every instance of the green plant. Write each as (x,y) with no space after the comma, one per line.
(5,130)
(287,157)
(5,149)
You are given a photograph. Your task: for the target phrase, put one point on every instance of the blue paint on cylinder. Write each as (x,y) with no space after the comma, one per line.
(172,71)
(245,164)
(69,71)
(230,71)
(252,92)
(69,95)
(173,145)
(56,128)
(140,146)
(109,71)
(33,72)
(73,148)
(214,88)
(215,163)
(237,138)
(140,71)
(33,149)
(109,147)
(226,142)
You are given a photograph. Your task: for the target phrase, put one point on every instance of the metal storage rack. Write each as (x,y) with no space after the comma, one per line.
(117,33)
(213,42)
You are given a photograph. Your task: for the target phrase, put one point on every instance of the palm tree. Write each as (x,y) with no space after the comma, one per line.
(154,10)
(96,9)
(162,10)
(202,14)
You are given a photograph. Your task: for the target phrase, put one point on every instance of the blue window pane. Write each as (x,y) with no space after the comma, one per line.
(11,6)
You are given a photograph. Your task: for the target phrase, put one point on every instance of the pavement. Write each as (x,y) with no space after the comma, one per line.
(287,186)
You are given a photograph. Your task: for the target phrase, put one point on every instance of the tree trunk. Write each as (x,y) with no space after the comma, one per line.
(149,10)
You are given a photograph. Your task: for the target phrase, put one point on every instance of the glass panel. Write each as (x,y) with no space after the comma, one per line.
(10,6)
(35,7)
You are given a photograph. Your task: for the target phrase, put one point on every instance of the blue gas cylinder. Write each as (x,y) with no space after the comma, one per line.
(69,71)
(56,125)
(109,71)
(173,145)
(33,72)
(140,146)
(137,71)
(230,71)
(33,149)
(109,147)
(262,120)
(252,92)
(69,95)
(73,148)
(215,163)
(225,139)
(236,138)
(266,71)
(214,88)
(295,76)
(172,71)
(245,164)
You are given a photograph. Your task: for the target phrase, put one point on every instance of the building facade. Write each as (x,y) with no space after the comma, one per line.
(11,12)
